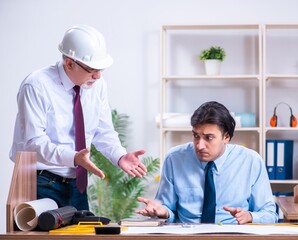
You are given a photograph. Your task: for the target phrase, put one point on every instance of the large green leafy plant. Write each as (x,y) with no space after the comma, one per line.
(115,196)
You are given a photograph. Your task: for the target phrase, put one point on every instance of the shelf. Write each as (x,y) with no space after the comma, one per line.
(176,129)
(253,80)
(281,26)
(276,129)
(290,181)
(248,129)
(283,186)
(180,69)
(210,27)
(281,76)
(219,77)
(186,129)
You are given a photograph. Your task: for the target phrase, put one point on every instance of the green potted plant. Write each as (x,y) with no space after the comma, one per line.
(115,196)
(213,56)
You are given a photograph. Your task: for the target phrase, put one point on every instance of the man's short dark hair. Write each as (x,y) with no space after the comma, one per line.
(214,113)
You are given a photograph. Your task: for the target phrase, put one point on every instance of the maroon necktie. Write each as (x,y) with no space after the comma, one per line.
(81,173)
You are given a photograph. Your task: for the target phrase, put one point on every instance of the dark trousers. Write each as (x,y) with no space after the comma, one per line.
(63,193)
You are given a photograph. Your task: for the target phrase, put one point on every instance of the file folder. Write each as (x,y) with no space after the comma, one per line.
(284,159)
(270,158)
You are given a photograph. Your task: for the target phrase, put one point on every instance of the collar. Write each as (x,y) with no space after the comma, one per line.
(218,162)
(66,82)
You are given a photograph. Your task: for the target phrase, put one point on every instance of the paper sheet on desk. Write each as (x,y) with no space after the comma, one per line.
(26,213)
(214,228)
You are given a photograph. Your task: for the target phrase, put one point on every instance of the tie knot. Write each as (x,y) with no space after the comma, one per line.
(210,165)
(76,88)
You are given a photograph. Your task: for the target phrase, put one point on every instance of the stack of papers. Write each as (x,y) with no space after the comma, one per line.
(174,120)
(185,229)
(142,222)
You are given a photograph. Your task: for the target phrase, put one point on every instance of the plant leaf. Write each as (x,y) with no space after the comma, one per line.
(115,196)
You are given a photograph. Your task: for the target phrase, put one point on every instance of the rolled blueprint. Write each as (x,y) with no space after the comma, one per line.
(26,214)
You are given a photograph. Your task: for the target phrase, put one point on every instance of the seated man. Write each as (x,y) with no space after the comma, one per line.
(239,177)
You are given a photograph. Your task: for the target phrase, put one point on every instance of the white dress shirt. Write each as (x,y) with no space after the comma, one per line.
(45,122)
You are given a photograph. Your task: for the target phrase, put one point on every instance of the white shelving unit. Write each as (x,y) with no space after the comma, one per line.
(184,85)
(260,70)
(280,82)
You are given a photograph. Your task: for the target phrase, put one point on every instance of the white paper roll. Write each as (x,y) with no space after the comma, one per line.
(26,214)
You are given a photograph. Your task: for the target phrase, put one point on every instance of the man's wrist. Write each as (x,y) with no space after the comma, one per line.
(167,215)
(119,160)
(250,217)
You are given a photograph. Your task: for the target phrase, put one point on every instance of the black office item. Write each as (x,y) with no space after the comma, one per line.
(107,229)
(87,216)
(53,219)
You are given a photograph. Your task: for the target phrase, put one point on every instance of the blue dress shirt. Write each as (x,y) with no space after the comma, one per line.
(45,122)
(240,178)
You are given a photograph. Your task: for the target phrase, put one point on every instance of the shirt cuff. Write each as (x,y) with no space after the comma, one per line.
(116,157)
(171,218)
(68,158)
(254,217)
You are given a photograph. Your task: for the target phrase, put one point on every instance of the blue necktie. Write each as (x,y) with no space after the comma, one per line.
(208,213)
(81,173)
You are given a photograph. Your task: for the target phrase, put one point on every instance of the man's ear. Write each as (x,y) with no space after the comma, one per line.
(227,137)
(69,64)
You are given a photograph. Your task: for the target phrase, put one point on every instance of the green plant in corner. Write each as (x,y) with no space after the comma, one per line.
(115,196)
(214,52)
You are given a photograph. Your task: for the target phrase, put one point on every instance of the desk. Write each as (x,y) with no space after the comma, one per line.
(288,207)
(23,188)
(46,236)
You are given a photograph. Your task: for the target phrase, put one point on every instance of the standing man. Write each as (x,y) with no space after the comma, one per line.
(211,181)
(49,123)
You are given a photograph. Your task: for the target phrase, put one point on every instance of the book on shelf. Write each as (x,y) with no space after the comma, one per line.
(142,222)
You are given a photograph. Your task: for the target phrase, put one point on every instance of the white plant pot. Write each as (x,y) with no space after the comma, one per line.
(212,67)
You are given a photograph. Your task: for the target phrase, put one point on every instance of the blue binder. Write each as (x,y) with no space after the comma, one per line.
(270,158)
(284,159)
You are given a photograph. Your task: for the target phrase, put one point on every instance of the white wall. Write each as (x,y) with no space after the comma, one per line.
(32,29)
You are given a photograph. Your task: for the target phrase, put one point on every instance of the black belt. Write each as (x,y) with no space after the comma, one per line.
(54,177)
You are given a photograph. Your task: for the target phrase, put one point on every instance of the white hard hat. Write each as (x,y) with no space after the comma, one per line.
(87,45)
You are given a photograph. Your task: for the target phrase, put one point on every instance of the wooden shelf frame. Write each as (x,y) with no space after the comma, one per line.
(165,77)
